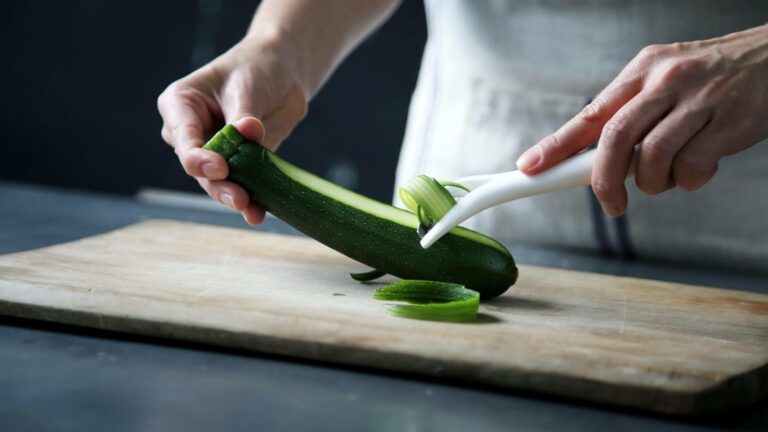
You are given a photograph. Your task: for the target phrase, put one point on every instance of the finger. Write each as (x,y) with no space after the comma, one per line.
(694,183)
(659,147)
(234,197)
(242,109)
(183,129)
(696,163)
(184,117)
(201,163)
(581,131)
(280,123)
(238,103)
(251,128)
(254,214)
(227,193)
(617,145)
(245,116)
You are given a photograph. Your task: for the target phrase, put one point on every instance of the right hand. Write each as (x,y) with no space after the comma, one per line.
(254,86)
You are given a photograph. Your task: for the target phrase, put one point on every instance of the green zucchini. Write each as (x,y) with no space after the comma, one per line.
(430,300)
(376,234)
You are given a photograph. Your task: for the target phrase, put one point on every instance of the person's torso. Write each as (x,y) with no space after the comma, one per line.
(498,75)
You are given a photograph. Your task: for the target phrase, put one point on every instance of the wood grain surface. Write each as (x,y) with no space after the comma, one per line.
(652,345)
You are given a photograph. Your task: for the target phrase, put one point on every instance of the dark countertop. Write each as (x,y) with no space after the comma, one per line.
(65,378)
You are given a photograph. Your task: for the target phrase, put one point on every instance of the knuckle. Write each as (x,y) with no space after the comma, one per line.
(166,136)
(302,112)
(174,88)
(167,94)
(614,133)
(648,186)
(178,130)
(592,112)
(652,52)
(164,94)
(690,171)
(690,164)
(187,169)
(601,188)
(656,148)
(205,185)
(615,126)
(188,162)
(695,110)
(716,89)
(671,72)
(680,68)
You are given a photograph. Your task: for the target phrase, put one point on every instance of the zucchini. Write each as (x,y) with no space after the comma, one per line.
(430,300)
(376,234)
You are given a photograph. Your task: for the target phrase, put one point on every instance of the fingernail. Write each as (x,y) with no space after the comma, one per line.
(245,216)
(610,209)
(211,171)
(228,200)
(529,159)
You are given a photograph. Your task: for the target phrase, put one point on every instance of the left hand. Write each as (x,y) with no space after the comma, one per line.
(686,104)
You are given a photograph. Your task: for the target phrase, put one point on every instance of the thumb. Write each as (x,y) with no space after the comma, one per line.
(245,117)
(251,128)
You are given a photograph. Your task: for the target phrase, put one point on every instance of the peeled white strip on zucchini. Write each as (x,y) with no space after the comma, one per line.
(378,235)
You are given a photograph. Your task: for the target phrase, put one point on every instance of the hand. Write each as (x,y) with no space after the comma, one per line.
(686,104)
(255,87)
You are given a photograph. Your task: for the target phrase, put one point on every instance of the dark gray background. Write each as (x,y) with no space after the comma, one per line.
(80,81)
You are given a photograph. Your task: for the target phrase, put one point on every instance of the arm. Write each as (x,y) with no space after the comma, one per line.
(686,104)
(320,33)
(262,84)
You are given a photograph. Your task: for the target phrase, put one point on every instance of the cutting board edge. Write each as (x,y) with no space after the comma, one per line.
(709,399)
(747,388)
(139,225)
(688,402)
(657,282)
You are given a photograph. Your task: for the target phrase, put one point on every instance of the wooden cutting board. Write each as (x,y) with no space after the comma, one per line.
(639,343)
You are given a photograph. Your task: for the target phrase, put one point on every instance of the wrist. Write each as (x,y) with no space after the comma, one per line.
(269,36)
(276,42)
(753,40)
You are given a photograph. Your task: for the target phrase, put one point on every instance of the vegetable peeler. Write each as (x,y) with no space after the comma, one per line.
(489,190)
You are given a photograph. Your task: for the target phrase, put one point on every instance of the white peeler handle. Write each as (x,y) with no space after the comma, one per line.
(492,190)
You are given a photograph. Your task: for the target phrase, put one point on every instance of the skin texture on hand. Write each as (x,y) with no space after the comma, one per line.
(247,83)
(686,105)
(262,85)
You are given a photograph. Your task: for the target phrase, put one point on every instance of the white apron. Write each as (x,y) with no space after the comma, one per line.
(497,76)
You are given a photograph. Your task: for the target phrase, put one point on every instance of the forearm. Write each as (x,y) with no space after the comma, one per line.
(317,35)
